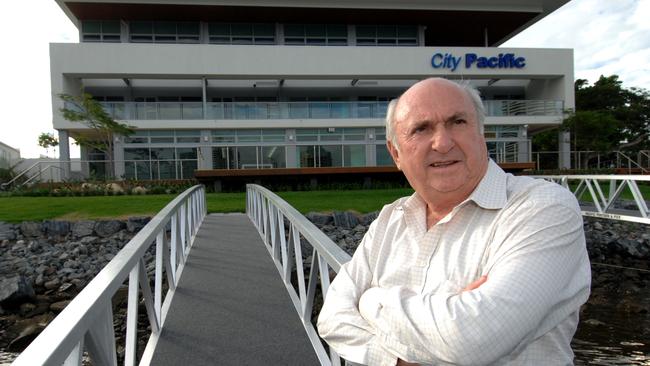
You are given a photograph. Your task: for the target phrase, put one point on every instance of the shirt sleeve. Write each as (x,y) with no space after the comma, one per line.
(538,276)
(340,324)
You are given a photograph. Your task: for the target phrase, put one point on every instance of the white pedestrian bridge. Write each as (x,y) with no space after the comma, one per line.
(227,301)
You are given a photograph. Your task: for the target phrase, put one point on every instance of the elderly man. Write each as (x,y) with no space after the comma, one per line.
(476,267)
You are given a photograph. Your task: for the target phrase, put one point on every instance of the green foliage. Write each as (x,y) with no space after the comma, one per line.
(609,117)
(47,140)
(89,112)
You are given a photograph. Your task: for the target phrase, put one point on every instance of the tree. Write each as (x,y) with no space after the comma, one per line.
(84,109)
(47,140)
(630,108)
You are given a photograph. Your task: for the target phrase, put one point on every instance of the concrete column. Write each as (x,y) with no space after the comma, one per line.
(85,168)
(64,154)
(352,35)
(564,148)
(371,149)
(291,150)
(118,158)
(279,33)
(204,84)
(205,161)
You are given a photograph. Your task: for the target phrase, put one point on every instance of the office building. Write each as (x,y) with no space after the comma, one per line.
(297,84)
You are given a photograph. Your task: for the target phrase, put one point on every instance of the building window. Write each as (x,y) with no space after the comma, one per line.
(382,155)
(160,163)
(241,33)
(248,157)
(387,35)
(492,131)
(316,34)
(248,135)
(330,134)
(100,31)
(310,156)
(165,32)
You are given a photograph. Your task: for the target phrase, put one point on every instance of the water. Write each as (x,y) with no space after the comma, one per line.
(614,329)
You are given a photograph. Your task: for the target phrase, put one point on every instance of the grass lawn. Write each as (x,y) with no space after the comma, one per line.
(17,209)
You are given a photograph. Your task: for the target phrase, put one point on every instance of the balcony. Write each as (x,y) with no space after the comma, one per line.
(302,110)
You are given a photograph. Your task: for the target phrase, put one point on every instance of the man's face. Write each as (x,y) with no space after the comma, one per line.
(441,150)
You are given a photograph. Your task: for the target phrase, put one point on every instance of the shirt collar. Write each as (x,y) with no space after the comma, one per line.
(489,194)
(491,190)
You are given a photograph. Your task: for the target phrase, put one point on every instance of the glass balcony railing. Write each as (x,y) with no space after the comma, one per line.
(302,110)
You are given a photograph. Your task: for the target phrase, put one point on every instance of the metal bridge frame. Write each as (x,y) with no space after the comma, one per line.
(269,213)
(87,322)
(603,204)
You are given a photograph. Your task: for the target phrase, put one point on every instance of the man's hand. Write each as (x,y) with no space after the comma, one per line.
(474,285)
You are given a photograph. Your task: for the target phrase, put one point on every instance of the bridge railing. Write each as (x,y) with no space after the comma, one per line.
(601,195)
(87,322)
(282,227)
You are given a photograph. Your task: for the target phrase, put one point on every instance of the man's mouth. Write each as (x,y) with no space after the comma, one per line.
(441,164)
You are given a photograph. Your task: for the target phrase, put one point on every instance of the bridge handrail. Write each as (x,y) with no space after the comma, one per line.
(87,322)
(268,213)
(603,201)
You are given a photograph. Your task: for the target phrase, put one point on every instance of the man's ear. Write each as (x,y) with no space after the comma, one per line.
(394,153)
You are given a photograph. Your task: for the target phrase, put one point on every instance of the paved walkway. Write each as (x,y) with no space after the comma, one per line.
(231,307)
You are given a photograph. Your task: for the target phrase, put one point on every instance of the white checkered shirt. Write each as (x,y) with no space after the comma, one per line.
(401,294)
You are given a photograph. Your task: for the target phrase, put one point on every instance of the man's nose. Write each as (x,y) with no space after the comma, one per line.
(442,141)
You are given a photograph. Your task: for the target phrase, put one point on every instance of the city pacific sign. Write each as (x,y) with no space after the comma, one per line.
(472,60)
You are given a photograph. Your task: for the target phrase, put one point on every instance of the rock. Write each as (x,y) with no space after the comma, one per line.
(15,290)
(368,218)
(27,330)
(633,248)
(65,287)
(57,307)
(56,228)
(89,240)
(50,285)
(134,224)
(594,322)
(31,228)
(598,226)
(345,220)
(109,257)
(139,190)
(319,219)
(82,228)
(7,231)
(108,228)
(114,188)
(26,308)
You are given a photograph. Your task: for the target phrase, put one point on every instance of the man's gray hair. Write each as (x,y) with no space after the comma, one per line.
(471,91)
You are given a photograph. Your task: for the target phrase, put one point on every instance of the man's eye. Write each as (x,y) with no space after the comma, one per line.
(460,121)
(419,129)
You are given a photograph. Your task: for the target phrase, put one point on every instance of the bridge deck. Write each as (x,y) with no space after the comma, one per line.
(231,307)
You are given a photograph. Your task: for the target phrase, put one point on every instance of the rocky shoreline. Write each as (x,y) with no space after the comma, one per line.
(43,265)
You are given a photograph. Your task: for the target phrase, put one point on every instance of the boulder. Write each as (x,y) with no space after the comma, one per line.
(368,218)
(31,228)
(7,231)
(134,224)
(108,228)
(139,190)
(15,290)
(56,228)
(345,220)
(319,219)
(114,188)
(82,228)
(57,307)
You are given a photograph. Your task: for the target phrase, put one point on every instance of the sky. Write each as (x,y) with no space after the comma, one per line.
(608,37)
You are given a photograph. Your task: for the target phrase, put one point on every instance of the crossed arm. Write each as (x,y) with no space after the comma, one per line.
(532,279)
